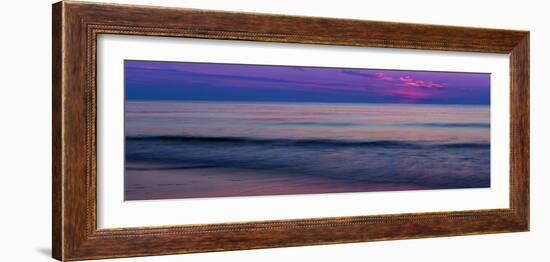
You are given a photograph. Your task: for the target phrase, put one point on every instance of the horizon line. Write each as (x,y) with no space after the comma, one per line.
(291,101)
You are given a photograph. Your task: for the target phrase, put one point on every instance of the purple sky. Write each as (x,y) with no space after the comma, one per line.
(235,82)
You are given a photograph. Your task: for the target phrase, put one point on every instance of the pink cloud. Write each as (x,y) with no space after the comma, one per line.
(405,78)
(381,76)
(409,81)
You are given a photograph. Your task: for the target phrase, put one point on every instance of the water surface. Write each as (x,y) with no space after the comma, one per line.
(211,149)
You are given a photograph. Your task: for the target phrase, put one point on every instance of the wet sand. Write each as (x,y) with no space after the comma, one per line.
(153,183)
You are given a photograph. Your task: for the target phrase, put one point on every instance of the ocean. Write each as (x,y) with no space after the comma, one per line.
(183,149)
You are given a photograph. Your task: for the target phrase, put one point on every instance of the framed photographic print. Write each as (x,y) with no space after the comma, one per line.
(182,130)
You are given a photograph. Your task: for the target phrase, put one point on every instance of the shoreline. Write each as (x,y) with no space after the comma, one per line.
(154,184)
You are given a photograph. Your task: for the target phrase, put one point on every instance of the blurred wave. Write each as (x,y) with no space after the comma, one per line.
(235,141)
(220,149)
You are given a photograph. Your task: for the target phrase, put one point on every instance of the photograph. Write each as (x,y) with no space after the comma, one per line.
(197,130)
(305,128)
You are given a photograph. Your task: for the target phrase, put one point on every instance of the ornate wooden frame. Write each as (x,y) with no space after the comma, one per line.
(76,26)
